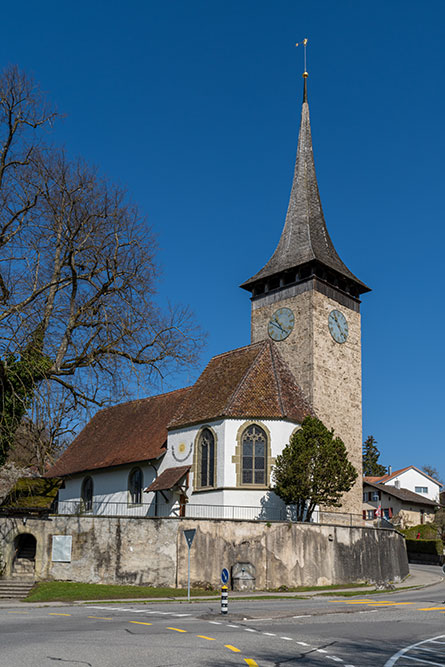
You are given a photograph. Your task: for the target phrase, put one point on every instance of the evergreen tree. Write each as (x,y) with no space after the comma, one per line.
(313,469)
(371,466)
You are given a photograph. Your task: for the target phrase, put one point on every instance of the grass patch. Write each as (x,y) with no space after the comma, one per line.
(67,591)
(305,589)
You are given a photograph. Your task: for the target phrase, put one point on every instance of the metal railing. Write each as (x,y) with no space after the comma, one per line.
(105,508)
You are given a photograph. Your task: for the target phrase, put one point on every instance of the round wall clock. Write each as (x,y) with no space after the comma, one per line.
(281,324)
(338,326)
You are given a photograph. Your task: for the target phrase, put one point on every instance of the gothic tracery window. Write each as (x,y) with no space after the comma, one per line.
(254,448)
(135,483)
(206,457)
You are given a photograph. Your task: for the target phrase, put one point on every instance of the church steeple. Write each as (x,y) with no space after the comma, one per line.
(305,249)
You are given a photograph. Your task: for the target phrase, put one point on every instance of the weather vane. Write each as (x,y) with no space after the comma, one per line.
(304,42)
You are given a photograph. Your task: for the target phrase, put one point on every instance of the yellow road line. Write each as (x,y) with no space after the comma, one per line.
(102,618)
(232,648)
(251,662)
(432,609)
(18,612)
(54,614)
(211,639)
(391,604)
(177,629)
(141,623)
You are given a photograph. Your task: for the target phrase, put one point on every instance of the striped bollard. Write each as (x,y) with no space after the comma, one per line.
(224,599)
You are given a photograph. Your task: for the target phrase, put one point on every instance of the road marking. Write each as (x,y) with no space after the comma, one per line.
(321,650)
(303,616)
(250,662)
(177,630)
(334,658)
(18,612)
(233,626)
(393,659)
(390,604)
(54,614)
(101,618)
(302,643)
(269,634)
(288,639)
(250,630)
(140,623)
(432,609)
(232,648)
(210,639)
(215,622)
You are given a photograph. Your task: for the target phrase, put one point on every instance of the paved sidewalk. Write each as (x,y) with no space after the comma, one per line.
(420,576)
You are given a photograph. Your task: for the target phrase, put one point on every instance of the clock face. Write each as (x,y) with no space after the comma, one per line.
(338,326)
(281,324)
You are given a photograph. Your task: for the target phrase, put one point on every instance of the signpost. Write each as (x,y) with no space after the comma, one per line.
(224,591)
(189,535)
(225,575)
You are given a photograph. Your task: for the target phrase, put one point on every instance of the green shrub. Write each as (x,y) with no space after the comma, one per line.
(424,546)
(428,531)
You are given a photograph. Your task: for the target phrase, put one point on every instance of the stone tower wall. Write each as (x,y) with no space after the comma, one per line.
(329,373)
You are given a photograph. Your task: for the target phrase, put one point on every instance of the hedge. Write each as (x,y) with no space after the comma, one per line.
(425,547)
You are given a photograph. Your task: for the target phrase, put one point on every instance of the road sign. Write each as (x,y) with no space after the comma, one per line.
(189,535)
(225,575)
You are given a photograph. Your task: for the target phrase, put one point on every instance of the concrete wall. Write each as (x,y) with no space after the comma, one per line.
(154,551)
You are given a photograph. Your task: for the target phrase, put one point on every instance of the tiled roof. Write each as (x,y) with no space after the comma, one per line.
(250,382)
(125,433)
(386,478)
(403,494)
(168,479)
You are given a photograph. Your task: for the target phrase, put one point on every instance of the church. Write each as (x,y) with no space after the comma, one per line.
(207,451)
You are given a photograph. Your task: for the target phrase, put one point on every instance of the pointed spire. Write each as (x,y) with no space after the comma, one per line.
(305,239)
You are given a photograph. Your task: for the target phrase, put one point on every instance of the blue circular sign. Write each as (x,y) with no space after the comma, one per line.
(225,575)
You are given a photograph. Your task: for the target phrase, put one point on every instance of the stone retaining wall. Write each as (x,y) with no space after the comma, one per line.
(154,551)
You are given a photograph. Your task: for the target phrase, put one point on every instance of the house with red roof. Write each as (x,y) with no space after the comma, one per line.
(413,479)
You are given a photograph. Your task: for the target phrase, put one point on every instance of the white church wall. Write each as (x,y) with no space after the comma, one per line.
(110,490)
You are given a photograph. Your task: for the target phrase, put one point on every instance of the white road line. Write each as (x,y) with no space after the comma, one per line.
(393,659)
(303,616)
(233,626)
(302,643)
(334,658)
(215,622)
(321,650)
(250,630)
(289,639)
(269,634)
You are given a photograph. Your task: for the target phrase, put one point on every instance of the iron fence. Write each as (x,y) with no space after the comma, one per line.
(105,508)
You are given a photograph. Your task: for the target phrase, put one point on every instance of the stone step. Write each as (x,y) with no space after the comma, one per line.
(15,589)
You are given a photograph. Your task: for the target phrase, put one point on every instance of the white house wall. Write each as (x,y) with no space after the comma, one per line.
(411,478)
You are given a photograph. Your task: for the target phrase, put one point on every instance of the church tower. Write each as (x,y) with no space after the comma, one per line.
(308,302)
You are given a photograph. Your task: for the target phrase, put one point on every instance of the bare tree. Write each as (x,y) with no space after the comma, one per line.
(78,315)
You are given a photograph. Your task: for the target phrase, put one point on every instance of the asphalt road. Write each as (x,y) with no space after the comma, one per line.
(403,629)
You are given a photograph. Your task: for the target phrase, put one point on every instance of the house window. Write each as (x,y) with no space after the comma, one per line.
(370,514)
(86,494)
(375,495)
(135,484)
(365,496)
(253,457)
(421,489)
(206,458)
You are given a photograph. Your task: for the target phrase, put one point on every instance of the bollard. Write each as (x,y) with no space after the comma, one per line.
(224,599)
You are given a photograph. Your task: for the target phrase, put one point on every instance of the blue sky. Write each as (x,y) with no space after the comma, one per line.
(194,106)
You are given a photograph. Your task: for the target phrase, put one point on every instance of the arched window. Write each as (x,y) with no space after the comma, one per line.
(135,483)
(254,448)
(87,494)
(206,458)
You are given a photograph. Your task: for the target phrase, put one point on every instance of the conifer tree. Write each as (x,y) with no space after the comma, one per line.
(313,469)
(371,466)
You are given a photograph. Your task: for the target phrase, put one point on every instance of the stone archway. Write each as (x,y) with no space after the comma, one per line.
(23,565)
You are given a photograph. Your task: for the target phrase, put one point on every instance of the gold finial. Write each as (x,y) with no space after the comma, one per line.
(304,43)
